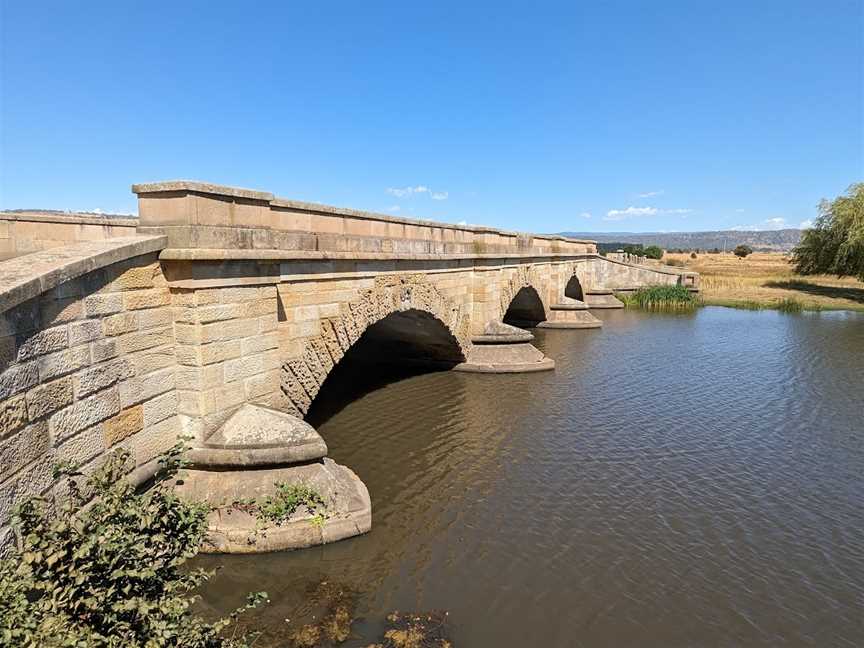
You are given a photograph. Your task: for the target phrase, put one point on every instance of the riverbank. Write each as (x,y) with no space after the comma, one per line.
(767,280)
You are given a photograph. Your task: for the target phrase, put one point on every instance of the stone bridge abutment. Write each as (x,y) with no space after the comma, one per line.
(226,299)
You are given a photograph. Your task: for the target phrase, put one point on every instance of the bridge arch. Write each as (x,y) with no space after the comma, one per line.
(403,319)
(574,288)
(526,309)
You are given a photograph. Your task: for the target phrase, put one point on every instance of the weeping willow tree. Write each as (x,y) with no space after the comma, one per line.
(835,243)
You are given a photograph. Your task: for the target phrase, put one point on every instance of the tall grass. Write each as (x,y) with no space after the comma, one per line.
(789,305)
(661,298)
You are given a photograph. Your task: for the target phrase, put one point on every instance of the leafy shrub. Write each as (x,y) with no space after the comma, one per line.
(835,242)
(661,298)
(654,252)
(693,255)
(742,251)
(109,573)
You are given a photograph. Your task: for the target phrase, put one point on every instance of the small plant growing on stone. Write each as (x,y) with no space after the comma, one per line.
(279,507)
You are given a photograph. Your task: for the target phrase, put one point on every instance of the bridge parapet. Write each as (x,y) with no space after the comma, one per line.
(248,223)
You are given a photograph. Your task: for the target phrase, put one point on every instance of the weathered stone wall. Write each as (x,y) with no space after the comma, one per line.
(86,367)
(232,298)
(27,232)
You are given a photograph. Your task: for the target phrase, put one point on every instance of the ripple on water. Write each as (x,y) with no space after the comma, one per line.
(678,480)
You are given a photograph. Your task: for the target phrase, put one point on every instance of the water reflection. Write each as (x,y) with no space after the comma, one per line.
(678,480)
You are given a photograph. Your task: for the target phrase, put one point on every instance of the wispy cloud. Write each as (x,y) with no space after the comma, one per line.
(394,208)
(774,223)
(585,214)
(739,211)
(635,212)
(462,222)
(806,224)
(404,192)
(651,194)
(630,212)
(408,192)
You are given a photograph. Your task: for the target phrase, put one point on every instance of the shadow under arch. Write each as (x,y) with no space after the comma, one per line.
(573,289)
(526,309)
(402,344)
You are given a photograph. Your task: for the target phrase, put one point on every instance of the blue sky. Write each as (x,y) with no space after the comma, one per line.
(589,116)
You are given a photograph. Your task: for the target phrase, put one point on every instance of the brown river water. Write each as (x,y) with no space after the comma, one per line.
(678,480)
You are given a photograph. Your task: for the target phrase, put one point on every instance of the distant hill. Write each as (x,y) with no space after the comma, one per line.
(769,240)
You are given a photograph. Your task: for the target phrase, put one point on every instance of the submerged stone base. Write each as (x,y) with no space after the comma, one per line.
(504,349)
(233,528)
(570,314)
(602,298)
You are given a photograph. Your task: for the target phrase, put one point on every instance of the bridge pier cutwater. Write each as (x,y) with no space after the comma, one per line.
(228,307)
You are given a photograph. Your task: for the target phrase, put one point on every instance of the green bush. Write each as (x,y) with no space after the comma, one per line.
(835,243)
(654,252)
(108,574)
(661,298)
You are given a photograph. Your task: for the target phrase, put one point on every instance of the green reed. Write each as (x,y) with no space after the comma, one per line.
(661,298)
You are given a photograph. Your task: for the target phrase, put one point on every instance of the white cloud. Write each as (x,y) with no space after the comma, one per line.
(650,194)
(462,222)
(806,224)
(97,211)
(585,214)
(441,195)
(407,191)
(623,214)
(632,212)
(768,224)
(394,208)
(739,211)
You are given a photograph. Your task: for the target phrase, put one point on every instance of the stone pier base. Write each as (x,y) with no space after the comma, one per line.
(504,349)
(570,314)
(599,298)
(246,461)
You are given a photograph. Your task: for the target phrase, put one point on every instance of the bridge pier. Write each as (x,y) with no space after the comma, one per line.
(504,349)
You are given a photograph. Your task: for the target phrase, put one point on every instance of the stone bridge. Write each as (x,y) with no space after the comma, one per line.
(226,305)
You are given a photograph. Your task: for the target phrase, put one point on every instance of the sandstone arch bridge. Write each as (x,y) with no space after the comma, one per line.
(221,312)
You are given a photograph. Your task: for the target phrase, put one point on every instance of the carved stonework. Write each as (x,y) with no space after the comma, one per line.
(302,377)
(525,275)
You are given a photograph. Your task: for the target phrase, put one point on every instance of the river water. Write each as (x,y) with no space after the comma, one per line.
(678,480)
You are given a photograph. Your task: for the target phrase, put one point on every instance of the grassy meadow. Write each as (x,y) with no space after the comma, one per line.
(767,280)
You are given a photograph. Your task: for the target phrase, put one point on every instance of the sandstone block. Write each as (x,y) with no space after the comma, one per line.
(154,359)
(22,448)
(154,298)
(120,323)
(82,447)
(155,317)
(230,330)
(18,378)
(220,351)
(102,375)
(123,425)
(84,331)
(238,294)
(244,367)
(49,397)
(60,311)
(220,312)
(141,388)
(35,479)
(83,414)
(102,350)
(43,343)
(136,277)
(153,441)
(141,340)
(159,408)
(103,304)
(187,333)
(13,415)
(258,343)
(265,383)
(200,377)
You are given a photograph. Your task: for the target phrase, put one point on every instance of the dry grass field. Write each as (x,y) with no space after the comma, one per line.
(767,280)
